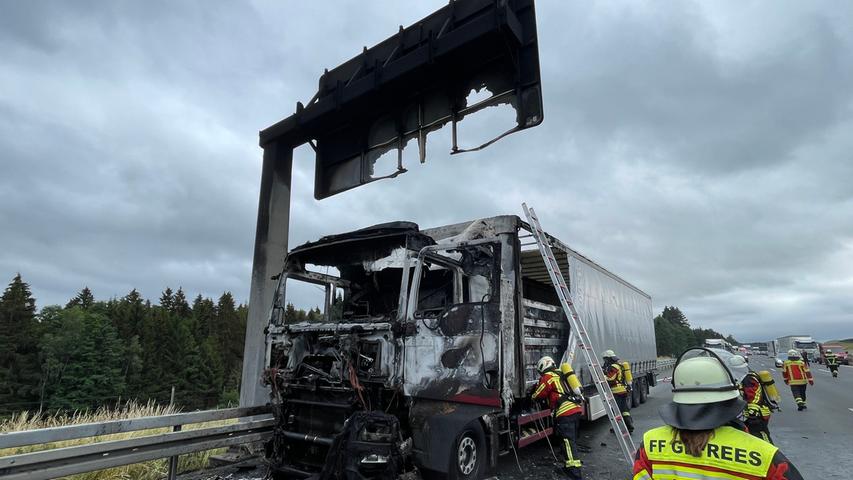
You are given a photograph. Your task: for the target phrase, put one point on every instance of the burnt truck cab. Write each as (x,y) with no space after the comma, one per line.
(424,353)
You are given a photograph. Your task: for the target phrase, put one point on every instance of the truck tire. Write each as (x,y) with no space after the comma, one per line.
(468,455)
(644,391)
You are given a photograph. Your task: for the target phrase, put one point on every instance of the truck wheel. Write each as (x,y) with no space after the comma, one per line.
(468,455)
(635,395)
(644,391)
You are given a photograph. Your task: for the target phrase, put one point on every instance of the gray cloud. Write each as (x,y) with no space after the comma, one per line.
(701,151)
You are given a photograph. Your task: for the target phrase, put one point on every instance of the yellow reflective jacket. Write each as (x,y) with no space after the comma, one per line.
(730,454)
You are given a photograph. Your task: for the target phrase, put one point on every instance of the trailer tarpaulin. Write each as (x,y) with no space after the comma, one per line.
(617,315)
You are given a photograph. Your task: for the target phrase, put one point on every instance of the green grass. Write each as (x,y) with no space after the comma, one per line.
(153,470)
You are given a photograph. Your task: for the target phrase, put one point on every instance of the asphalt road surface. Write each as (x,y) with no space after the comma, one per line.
(819,441)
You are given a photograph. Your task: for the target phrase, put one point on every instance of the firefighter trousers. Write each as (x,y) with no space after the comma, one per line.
(799,392)
(567,429)
(759,427)
(833,369)
(622,401)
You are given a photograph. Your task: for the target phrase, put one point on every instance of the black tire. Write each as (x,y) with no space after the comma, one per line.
(468,455)
(635,395)
(644,391)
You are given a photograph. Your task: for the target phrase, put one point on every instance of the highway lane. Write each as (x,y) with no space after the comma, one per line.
(819,440)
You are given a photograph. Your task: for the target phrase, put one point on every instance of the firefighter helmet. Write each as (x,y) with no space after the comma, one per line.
(705,392)
(545,363)
(608,354)
(793,353)
(828,351)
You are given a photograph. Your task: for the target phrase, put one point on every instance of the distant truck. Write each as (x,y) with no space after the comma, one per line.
(800,343)
(718,343)
(760,348)
(430,339)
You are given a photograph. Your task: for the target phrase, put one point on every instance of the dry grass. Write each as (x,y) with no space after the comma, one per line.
(144,471)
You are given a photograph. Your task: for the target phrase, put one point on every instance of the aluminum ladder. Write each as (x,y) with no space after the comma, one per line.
(578,332)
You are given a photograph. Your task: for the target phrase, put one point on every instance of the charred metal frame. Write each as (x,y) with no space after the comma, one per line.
(401,89)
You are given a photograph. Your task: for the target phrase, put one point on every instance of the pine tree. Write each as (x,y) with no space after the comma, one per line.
(230,333)
(166,299)
(179,305)
(204,313)
(213,378)
(85,299)
(129,315)
(155,378)
(133,368)
(226,318)
(19,332)
(290,314)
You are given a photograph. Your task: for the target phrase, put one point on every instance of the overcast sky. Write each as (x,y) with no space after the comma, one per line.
(701,150)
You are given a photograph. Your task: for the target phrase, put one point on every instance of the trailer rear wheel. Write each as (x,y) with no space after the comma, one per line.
(635,395)
(644,391)
(468,455)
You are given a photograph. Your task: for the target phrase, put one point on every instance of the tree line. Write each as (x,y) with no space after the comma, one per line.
(674,335)
(90,353)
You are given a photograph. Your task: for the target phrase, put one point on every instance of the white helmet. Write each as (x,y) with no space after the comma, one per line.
(702,380)
(793,353)
(705,392)
(608,354)
(545,363)
(828,351)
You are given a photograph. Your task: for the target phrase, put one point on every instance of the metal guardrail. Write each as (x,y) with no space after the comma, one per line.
(666,364)
(59,462)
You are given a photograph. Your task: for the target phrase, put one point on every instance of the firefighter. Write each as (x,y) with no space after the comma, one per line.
(617,378)
(762,398)
(831,362)
(564,396)
(697,440)
(797,374)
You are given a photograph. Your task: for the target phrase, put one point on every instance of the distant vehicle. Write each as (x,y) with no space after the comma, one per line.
(718,343)
(779,361)
(800,343)
(839,351)
(745,351)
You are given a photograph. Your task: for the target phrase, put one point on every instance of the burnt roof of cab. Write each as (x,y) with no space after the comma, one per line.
(369,243)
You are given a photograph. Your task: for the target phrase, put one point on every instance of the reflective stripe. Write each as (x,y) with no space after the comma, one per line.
(567,408)
(678,474)
(643,475)
(570,459)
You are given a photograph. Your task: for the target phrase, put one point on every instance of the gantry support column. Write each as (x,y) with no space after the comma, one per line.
(270,250)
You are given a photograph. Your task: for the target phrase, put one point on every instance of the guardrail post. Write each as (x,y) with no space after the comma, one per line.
(173,460)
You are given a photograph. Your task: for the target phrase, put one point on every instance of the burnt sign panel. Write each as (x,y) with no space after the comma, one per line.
(416,82)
